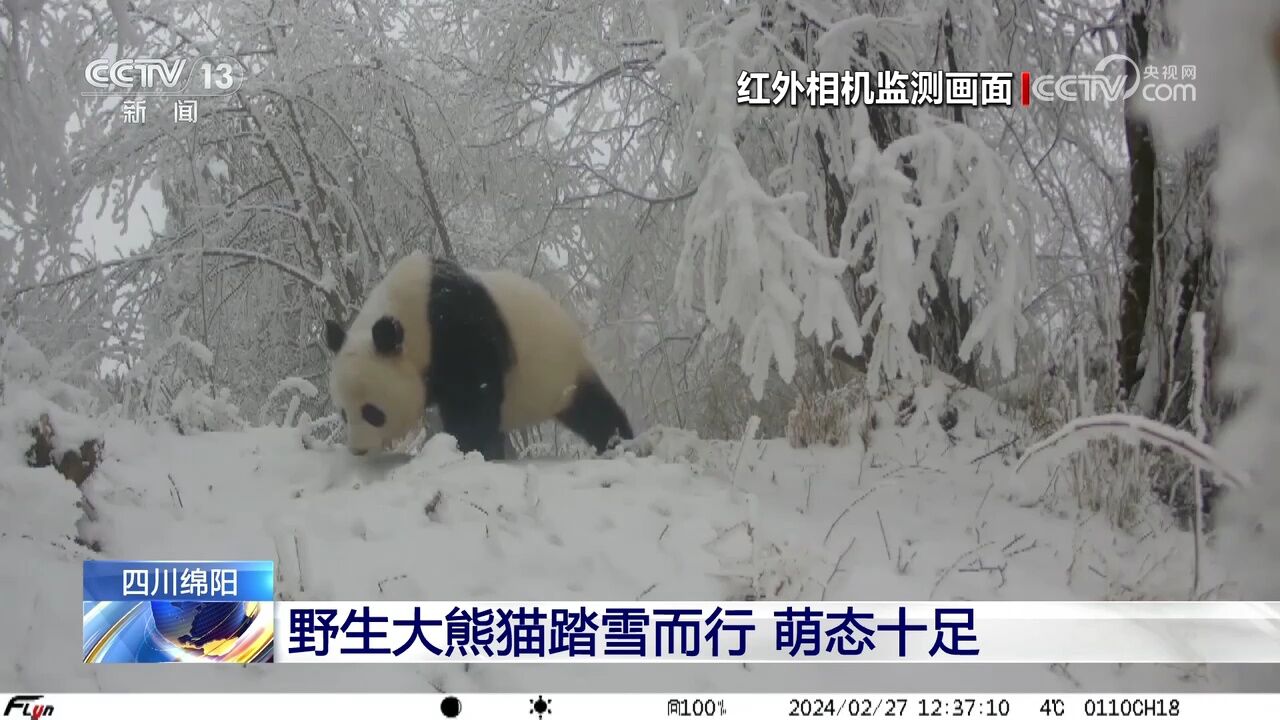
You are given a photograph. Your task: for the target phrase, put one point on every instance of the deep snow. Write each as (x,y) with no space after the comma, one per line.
(922,514)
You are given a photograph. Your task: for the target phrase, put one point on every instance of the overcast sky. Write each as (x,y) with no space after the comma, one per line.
(102,236)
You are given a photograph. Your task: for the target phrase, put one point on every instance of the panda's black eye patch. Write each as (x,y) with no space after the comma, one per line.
(388,335)
(373,415)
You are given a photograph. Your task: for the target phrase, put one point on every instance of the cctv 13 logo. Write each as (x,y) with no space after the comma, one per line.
(28,706)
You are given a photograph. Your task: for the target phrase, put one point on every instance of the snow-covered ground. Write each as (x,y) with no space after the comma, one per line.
(919,515)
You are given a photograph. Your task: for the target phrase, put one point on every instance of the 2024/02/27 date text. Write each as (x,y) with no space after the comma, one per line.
(848,707)
(870,707)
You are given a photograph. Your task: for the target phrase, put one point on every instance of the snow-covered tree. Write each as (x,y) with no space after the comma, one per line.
(1236,49)
(47,131)
(868,216)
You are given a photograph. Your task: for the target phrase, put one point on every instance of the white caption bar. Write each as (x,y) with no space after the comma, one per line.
(568,706)
(632,632)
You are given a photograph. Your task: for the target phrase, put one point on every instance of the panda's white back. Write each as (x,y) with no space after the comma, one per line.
(549,352)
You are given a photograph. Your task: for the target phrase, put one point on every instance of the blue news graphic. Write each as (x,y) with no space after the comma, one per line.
(164,611)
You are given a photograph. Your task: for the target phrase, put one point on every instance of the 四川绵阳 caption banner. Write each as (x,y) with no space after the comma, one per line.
(139,611)
(633,632)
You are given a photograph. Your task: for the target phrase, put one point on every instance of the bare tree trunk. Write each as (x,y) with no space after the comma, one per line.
(1136,295)
(433,206)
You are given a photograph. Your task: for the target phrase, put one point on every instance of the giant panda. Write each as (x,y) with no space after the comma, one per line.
(492,350)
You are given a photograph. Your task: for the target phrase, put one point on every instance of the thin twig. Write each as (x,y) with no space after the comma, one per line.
(297,549)
(836,569)
(387,580)
(884,536)
(943,575)
(434,504)
(977,513)
(993,452)
(176,491)
(216,252)
(846,512)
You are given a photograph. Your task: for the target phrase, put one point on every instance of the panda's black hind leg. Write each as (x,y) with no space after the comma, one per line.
(595,416)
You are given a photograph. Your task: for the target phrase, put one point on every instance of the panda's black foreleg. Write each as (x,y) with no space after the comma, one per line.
(476,424)
(471,353)
(595,416)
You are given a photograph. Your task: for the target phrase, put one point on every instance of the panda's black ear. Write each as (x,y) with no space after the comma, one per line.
(388,335)
(334,335)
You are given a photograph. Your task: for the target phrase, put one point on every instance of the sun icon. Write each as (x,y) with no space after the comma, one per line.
(540,707)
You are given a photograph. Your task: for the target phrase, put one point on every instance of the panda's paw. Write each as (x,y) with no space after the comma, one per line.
(411,444)
(635,447)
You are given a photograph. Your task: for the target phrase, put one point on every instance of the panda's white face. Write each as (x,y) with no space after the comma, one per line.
(381,398)
(379,364)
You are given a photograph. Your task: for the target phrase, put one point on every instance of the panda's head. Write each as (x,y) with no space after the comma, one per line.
(379,364)
(379,393)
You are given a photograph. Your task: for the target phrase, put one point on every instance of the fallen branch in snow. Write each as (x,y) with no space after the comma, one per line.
(836,569)
(980,567)
(840,517)
(177,493)
(1019,551)
(297,550)
(943,575)
(884,536)
(434,504)
(905,563)
(1134,428)
(993,452)
(384,581)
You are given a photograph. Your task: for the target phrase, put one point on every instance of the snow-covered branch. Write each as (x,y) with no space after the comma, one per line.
(1133,429)
(759,275)
(291,270)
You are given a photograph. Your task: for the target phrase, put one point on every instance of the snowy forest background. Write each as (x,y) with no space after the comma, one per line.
(740,269)
(598,148)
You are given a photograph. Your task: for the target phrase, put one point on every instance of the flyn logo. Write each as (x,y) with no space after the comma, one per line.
(1154,85)
(27,706)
